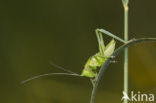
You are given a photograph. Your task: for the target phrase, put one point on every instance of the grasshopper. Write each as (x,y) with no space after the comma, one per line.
(94,62)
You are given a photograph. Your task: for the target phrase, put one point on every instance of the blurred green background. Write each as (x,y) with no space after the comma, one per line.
(35,32)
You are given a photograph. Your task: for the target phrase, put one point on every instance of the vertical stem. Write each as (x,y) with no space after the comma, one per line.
(126,51)
(93,94)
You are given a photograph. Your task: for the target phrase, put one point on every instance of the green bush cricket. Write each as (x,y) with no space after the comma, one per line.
(94,62)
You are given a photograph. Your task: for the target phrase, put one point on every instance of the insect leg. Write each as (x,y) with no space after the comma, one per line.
(111,35)
(114,61)
(100,42)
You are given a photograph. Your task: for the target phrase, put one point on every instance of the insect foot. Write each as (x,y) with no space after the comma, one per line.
(114,61)
(112,57)
(132,40)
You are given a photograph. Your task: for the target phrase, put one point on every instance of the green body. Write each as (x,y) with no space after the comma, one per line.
(95,61)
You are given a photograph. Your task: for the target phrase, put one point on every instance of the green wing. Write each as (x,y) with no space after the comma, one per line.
(109,49)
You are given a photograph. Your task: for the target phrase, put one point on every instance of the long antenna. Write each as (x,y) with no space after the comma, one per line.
(59,67)
(47,74)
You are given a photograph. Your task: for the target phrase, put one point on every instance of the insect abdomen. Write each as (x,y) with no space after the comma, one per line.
(90,67)
(88,72)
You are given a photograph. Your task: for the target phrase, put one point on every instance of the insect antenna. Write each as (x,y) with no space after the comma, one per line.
(47,74)
(70,73)
(61,68)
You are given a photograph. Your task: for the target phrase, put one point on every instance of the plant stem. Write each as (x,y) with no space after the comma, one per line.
(126,51)
(116,52)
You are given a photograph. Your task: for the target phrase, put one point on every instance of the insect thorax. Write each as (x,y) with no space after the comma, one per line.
(92,64)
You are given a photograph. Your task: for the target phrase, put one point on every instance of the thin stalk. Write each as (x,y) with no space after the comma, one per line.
(116,52)
(126,51)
